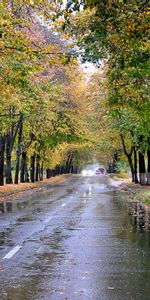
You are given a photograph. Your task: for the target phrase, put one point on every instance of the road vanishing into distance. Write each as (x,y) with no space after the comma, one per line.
(74,241)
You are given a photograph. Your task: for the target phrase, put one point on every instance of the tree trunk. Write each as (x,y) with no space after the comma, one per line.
(68,163)
(32,168)
(23,165)
(10,140)
(53,172)
(49,173)
(76,170)
(2,151)
(41,171)
(17,169)
(61,169)
(26,172)
(135,165)
(131,167)
(148,167)
(142,171)
(19,150)
(58,170)
(37,173)
(8,160)
(129,157)
(71,169)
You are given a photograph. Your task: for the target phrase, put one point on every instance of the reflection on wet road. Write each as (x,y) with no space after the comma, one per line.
(81,240)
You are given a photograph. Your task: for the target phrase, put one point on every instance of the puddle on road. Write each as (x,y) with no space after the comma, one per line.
(6,207)
(48,256)
(19,204)
(4,237)
(135,224)
(138,214)
(25,291)
(69,191)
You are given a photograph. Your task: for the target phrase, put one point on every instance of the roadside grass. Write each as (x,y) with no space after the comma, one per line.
(123,175)
(143,196)
(141,193)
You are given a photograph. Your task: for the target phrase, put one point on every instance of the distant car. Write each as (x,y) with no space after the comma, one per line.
(87,172)
(100,171)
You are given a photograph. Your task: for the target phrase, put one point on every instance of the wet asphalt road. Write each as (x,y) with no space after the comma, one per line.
(75,241)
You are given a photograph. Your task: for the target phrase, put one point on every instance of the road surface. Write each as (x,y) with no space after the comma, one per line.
(76,241)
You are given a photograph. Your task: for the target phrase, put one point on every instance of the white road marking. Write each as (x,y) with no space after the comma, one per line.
(48,219)
(90,190)
(12,252)
(39,249)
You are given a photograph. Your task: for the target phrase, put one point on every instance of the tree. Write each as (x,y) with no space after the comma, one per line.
(117,33)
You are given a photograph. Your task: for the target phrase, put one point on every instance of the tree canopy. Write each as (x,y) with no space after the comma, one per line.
(49,111)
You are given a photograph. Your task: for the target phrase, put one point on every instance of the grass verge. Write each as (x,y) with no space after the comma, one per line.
(141,193)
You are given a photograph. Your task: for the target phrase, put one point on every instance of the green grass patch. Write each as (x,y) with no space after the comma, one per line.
(123,175)
(144,196)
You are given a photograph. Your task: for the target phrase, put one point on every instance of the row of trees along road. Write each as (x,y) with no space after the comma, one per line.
(115,34)
(53,119)
(41,106)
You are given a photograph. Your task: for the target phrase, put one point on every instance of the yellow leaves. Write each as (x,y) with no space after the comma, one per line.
(9,97)
(31,2)
(83,19)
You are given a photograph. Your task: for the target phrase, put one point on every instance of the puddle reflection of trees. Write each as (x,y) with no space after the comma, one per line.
(14,206)
(5,207)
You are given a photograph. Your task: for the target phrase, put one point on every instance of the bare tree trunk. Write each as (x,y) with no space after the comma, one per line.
(131,167)
(8,160)
(68,163)
(148,167)
(23,166)
(26,173)
(32,168)
(129,157)
(48,173)
(10,140)
(135,165)
(142,171)
(19,149)
(41,171)
(2,151)
(37,172)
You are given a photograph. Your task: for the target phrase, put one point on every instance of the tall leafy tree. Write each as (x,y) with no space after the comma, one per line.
(116,32)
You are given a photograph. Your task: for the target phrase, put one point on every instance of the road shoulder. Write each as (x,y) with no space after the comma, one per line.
(13,191)
(137,192)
